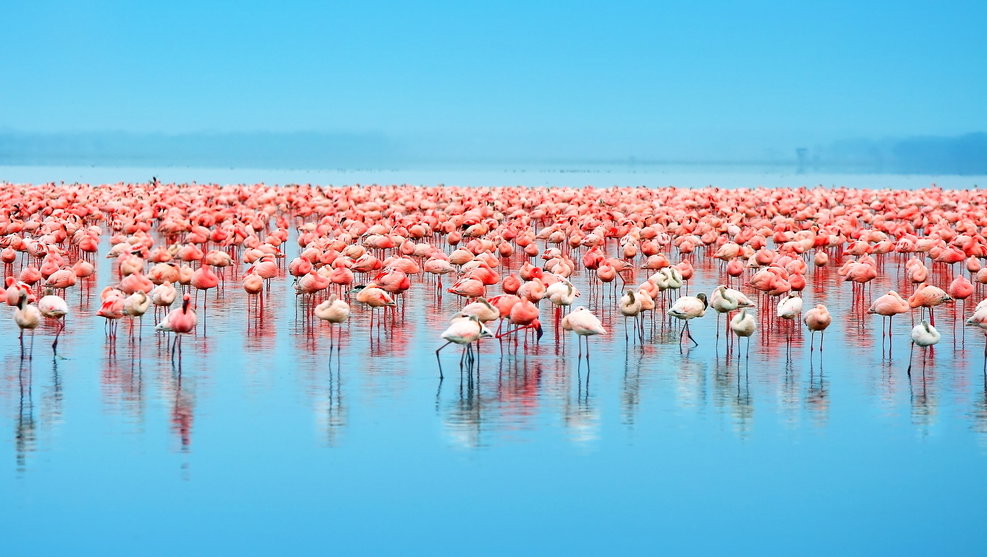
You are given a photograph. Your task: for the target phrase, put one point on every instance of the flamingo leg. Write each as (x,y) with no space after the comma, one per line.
(439,360)
(910,351)
(54,345)
(689,334)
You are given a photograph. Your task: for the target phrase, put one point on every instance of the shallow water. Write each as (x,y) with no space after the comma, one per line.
(576,175)
(258,443)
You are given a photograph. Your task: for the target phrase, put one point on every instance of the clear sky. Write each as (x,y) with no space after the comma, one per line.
(582,77)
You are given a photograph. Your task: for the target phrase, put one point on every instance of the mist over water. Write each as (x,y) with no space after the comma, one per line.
(690,176)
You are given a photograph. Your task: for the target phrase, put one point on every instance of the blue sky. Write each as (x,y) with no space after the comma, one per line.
(580,76)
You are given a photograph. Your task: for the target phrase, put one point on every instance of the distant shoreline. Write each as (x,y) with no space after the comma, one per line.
(689,176)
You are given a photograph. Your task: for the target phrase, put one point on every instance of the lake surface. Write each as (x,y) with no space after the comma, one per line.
(257,443)
(688,176)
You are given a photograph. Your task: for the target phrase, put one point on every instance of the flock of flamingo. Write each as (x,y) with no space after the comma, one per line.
(509,254)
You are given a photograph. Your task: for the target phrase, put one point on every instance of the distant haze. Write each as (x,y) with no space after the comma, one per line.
(931,155)
(871,86)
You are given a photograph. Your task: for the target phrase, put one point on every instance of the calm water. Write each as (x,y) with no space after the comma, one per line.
(258,443)
(688,176)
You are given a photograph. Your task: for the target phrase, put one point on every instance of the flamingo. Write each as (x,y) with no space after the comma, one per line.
(54,307)
(334,311)
(816,320)
(888,305)
(789,309)
(923,335)
(630,306)
(929,296)
(688,308)
(725,300)
(584,324)
(743,325)
(180,321)
(26,316)
(463,330)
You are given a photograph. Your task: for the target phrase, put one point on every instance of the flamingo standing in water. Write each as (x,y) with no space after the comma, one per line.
(27,316)
(630,306)
(923,335)
(54,307)
(334,311)
(724,300)
(582,322)
(180,321)
(111,309)
(203,279)
(743,325)
(163,296)
(928,296)
(789,309)
(816,320)
(375,297)
(688,308)
(136,305)
(524,314)
(463,330)
(888,305)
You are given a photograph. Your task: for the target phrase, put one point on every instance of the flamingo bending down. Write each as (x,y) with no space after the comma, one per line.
(687,308)
(464,330)
(524,314)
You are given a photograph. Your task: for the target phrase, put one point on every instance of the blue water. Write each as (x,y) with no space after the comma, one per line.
(578,175)
(257,444)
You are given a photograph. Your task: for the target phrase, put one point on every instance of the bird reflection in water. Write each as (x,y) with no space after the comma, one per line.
(464,419)
(53,398)
(332,407)
(979,413)
(923,399)
(262,329)
(631,394)
(582,420)
(518,390)
(691,384)
(743,410)
(731,392)
(182,410)
(124,386)
(817,396)
(889,382)
(26,437)
(789,397)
